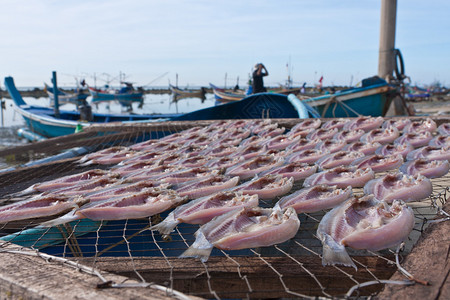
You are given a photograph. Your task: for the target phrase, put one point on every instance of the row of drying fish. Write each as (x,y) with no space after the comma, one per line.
(156,175)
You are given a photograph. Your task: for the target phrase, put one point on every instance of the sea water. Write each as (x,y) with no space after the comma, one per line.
(11,121)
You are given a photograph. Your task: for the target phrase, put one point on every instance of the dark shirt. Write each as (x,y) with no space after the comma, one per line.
(258,82)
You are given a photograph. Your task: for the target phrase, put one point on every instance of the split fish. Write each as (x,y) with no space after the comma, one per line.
(315,198)
(381,135)
(418,139)
(65,181)
(41,206)
(207,186)
(244,228)
(379,163)
(367,148)
(420,126)
(203,210)
(425,167)
(365,123)
(341,177)
(266,187)
(399,186)
(363,223)
(444,129)
(146,203)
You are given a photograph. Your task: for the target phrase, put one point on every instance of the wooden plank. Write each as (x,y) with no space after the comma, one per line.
(30,277)
(429,262)
(249,276)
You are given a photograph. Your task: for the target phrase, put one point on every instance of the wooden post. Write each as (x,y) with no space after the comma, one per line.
(55,94)
(386,58)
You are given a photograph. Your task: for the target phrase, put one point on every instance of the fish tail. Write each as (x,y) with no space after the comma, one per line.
(201,248)
(69,217)
(166,226)
(334,253)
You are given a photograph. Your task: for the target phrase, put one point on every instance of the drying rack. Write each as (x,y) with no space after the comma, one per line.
(126,254)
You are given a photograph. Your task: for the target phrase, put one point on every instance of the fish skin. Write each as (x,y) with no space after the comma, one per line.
(146,203)
(101,153)
(40,206)
(335,123)
(339,158)
(306,156)
(249,168)
(349,136)
(306,124)
(399,186)
(248,227)
(430,152)
(398,123)
(315,198)
(65,181)
(381,135)
(420,126)
(322,134)
(402,149)
(203,210)
(418,139)
(296,170)
(363,223)
(267,186)
(87,186)
(440,141)
(366,148)
(206,186)
(122,188)
(341,177)
(331,145)
(379,163)
(281,142)
(365,123)
(425,167)
(444,129)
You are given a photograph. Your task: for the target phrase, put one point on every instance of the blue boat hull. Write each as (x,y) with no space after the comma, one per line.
(263,105)
(373,99)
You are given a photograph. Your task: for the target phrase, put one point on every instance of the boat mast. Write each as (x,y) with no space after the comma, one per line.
(55,94)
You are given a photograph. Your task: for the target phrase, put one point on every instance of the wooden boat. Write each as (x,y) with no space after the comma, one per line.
(257,106)
(45,122)
(125,96)
(372,99)
(187,93)
(63,97)
(225,96)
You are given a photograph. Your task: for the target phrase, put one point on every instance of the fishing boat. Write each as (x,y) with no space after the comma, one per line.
(373,98)
(225,96)
(256,106)
(125,95)
(64,97)
(187,93)
(44,121)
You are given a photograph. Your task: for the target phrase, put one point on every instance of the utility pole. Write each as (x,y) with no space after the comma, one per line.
(386,57)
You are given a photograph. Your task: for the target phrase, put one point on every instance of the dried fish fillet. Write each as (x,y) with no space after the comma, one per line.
(399,186)
(244,228)
(203,210)
(42,206)
(341,177)
(315,198)
(363,223)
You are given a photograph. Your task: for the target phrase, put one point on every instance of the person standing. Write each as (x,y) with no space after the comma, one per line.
(258,83)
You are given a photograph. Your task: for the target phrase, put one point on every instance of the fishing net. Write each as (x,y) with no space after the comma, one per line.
(292,269)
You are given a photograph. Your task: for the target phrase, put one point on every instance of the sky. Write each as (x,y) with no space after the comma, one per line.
(154,42)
